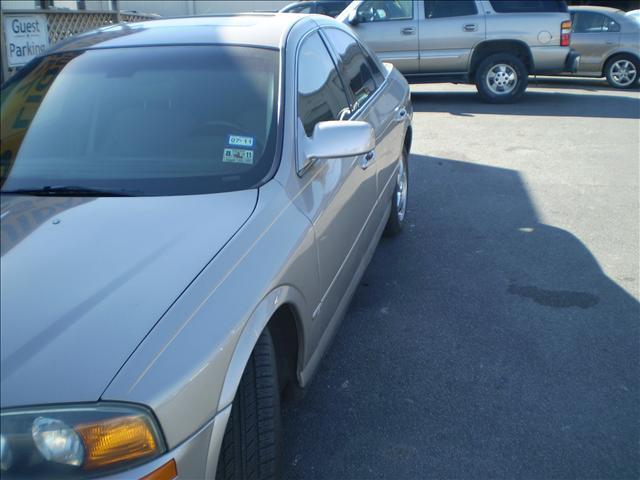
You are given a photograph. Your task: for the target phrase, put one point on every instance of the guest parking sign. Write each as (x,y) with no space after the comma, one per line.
(26,36)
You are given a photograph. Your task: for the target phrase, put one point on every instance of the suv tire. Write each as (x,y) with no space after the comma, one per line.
(501,78)
(252,443)
(622,71)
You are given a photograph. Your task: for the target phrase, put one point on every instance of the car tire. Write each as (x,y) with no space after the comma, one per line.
(501,78)
(252,443)
(622,71)
(399,198)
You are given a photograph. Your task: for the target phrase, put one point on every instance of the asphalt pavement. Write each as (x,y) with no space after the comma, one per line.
(499,335)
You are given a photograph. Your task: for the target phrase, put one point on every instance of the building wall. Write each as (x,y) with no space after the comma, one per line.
(18,4)
(172,8)
(165,8)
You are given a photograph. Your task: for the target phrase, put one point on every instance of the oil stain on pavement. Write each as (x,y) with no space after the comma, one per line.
(555,298)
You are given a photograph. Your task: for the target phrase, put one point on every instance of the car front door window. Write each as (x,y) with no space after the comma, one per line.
(321,95)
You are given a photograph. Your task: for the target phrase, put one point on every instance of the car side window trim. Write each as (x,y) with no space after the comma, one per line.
(356,108)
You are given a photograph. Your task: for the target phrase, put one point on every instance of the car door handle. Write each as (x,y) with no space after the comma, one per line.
(401,114)
(367,160)
(470,27)
(408,31)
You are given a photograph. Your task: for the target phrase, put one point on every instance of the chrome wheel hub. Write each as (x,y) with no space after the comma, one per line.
(501,79)
(623,73)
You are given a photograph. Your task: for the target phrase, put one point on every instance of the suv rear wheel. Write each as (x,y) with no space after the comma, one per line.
(501,78)
(622,71)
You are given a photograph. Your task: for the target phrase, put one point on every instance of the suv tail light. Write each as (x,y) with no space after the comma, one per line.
(565,33)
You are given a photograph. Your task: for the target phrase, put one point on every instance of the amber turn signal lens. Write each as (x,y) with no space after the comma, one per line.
(168,471)
(120,439)
(566,25)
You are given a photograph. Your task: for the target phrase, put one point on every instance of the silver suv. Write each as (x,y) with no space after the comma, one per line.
(495,44)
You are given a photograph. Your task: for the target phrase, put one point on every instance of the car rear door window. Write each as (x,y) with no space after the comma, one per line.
(353,65)
(588,22)
(321,94)
(449,8)
(610,25)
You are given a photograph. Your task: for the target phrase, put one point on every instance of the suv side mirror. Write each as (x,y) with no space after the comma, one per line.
(340,138)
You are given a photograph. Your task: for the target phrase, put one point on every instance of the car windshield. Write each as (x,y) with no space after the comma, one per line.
(169,120)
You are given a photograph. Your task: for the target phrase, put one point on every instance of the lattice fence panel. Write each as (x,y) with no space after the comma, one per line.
(63,25)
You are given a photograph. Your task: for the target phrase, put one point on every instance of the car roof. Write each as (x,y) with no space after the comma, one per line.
(266,30)
(595,8)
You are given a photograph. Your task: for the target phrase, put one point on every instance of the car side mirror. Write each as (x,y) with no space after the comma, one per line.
(353,17)
(340,138)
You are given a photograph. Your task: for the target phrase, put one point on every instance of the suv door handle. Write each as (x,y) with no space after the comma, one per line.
(408,31)
(401,114)
(470,27)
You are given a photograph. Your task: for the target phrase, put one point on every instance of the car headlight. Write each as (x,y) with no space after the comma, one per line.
(77,441)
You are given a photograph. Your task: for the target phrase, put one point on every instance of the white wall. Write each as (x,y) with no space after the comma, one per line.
(172,8)
(18,5)
(166,8)
(98,4)
(233,6)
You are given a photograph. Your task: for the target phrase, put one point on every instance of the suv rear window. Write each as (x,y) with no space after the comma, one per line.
(528,6)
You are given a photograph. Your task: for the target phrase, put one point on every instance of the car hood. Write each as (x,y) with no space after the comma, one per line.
(85,279)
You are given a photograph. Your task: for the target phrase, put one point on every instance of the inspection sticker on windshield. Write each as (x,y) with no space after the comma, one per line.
(240,141)
(238,155)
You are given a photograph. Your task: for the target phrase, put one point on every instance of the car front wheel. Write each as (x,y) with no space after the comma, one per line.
(622,71)
(501,78)
(252,443)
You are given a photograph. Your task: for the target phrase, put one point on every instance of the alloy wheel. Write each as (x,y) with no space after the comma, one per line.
(501,79)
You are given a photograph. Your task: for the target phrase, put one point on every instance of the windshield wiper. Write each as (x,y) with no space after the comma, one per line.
(72,191)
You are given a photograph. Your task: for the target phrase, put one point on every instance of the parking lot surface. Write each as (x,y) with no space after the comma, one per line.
(497,336)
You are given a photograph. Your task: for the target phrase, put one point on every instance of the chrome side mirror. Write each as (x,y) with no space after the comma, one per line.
(338,139)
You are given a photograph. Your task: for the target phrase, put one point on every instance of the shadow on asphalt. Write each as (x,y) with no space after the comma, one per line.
(481,343)
(534,103)
(574,83)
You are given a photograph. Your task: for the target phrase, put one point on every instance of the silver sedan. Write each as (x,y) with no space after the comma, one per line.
(609,44)
(187,208)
